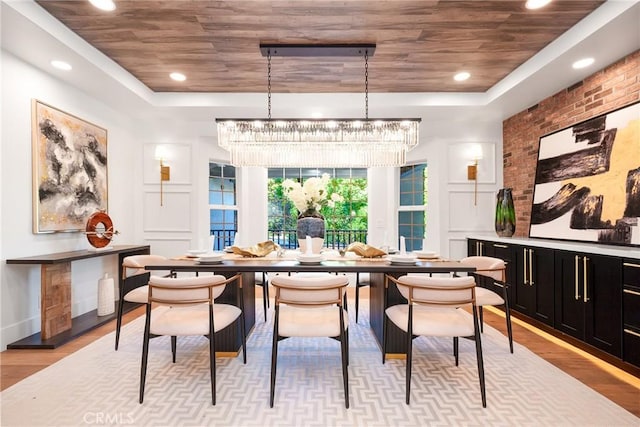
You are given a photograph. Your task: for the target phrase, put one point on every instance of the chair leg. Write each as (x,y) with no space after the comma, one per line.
(274,356)
(266,288)
(145,352)
(384,337)
(265,300)
(507,315)
(384,327)
(347,335)
(455,348)
(265,295)
(479,359)
(174,341)
(212,354)
(357,297)
(243,330)
(344,343)
(119,320)
(244,337)
(409,353)
(481,319)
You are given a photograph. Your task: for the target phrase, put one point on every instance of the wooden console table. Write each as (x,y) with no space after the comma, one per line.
(57,326)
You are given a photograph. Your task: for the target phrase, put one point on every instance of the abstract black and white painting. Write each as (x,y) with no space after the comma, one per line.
(587,185)
(69,170)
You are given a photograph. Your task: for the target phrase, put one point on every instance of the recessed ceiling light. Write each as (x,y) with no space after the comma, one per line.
(585,62)
(179,77)
(61,65)
(460,77)
(107,5)
(536,4)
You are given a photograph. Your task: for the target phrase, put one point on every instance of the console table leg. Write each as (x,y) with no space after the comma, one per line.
(55,303)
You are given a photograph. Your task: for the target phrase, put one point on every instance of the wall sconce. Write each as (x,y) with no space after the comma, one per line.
(475,153)
(165,171)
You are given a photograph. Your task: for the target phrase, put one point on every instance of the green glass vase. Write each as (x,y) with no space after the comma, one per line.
(505,221)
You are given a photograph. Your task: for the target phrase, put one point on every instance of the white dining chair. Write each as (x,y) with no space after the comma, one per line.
(436,307)
(308,305)
(186,306)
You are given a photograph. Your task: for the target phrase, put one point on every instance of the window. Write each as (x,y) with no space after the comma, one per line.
(223,209)
(345,223)
(412,219)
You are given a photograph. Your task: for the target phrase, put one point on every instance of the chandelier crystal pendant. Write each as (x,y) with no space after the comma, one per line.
(314,142)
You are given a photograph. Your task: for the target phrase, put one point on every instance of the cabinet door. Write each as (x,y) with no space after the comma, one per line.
(523,292)
(542,273)
(631,311)
(603,302)
(476,247)
(534,283)
(569,307)
(506,253)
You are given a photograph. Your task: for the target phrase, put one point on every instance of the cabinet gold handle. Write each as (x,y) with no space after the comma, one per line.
(525,266)
(629,331)
(577,274)
(629,291)
(628,264)
(530,267)
(505,246)
(584,278)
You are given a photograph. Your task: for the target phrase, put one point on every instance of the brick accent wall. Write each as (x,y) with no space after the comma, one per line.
(609,89)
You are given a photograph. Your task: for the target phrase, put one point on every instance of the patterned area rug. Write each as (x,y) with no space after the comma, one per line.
(99,386)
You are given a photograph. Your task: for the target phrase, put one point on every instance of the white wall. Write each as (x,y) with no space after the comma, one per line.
(20,285)
(183,221)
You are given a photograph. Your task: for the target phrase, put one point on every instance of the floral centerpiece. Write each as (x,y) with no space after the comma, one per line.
(310,197)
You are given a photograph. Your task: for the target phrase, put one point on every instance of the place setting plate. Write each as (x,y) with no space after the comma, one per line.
(209,259)
(402,259)
(195,253)
(310,259)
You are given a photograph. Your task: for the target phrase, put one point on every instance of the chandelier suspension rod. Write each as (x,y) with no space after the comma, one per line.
(366,85)
(269,82)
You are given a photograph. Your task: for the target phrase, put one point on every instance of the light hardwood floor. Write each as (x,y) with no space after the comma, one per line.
(617,385)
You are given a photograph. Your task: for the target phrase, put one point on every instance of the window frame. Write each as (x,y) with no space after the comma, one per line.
(227,240)
(412,241)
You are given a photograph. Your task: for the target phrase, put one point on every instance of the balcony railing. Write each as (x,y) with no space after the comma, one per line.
(335,239)
(287,239)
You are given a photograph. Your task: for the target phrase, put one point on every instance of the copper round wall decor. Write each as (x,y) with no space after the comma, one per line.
(99,230)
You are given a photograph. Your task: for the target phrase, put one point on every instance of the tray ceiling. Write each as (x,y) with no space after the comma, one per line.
(420,44)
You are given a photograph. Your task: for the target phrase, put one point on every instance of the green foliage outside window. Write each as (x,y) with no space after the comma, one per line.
(349,214)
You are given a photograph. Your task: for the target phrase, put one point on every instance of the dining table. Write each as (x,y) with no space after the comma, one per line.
(382,293)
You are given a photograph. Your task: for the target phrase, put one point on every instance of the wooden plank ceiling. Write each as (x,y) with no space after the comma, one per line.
(421,44)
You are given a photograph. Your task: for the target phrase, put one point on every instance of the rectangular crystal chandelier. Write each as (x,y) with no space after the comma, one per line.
(314,142)
(318,143)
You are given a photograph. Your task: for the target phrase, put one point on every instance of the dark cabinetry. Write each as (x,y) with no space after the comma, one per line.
(593,298)
(476,247)
(588,299)
(631,311)
(533,288)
